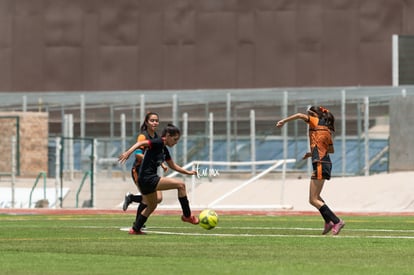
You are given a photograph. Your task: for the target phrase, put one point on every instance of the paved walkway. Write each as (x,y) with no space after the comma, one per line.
(378,193)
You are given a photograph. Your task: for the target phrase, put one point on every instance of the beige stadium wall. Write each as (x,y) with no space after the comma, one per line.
(401,134)
(84,45)
(32,149)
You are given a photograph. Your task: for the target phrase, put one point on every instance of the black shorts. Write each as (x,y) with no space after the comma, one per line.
(148,184)
(321,170)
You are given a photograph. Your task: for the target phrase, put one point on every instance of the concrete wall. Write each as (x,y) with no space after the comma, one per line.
(401,134)
(33,131)
(83,45)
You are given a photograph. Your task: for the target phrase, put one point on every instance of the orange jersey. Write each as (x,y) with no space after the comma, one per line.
(141,137)
(320,137)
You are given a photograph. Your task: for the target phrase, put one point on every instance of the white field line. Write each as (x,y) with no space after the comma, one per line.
(293,228)
(211,233)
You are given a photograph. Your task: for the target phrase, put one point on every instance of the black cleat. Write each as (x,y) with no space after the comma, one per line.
(127,201)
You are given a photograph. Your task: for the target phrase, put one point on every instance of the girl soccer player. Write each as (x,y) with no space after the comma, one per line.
(149,182)
(148,131)
(321,126)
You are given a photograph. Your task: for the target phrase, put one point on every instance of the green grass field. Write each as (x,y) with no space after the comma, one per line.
(98,244)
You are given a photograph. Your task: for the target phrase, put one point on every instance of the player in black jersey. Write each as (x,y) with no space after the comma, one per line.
(148,180)
(148,131)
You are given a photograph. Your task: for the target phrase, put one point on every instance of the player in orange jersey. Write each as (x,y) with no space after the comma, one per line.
(321,127)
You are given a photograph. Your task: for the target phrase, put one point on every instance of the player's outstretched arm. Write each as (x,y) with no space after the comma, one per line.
(282,122)
(125,155)
(180,169)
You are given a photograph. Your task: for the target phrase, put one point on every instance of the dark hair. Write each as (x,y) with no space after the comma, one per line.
(144,125)
(326,115)
(171,130)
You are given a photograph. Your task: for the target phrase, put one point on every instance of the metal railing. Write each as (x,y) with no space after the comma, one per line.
(273,165)
(85,175)
(43,175)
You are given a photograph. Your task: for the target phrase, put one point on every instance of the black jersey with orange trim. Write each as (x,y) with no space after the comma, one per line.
(154,156)
(144,135)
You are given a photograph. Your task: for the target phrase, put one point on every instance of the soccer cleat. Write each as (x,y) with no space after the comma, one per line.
(337,227)
(127,201)
(133,232)
(191,219)
(327,228)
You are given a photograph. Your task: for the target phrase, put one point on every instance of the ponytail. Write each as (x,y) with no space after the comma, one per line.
(325,114)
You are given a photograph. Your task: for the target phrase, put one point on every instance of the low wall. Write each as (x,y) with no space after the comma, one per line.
(32,141)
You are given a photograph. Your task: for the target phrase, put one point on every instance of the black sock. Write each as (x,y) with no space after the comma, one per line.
(327,214)
(140,208)
(136,198)
(185,206)
(140,221)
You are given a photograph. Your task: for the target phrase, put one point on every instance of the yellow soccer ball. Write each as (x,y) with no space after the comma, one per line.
(208,219)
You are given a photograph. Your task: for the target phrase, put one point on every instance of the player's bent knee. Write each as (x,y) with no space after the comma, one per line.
(181,186)
(313,202)
(151,208)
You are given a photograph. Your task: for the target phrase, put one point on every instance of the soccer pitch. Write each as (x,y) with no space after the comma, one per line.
(240,244)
